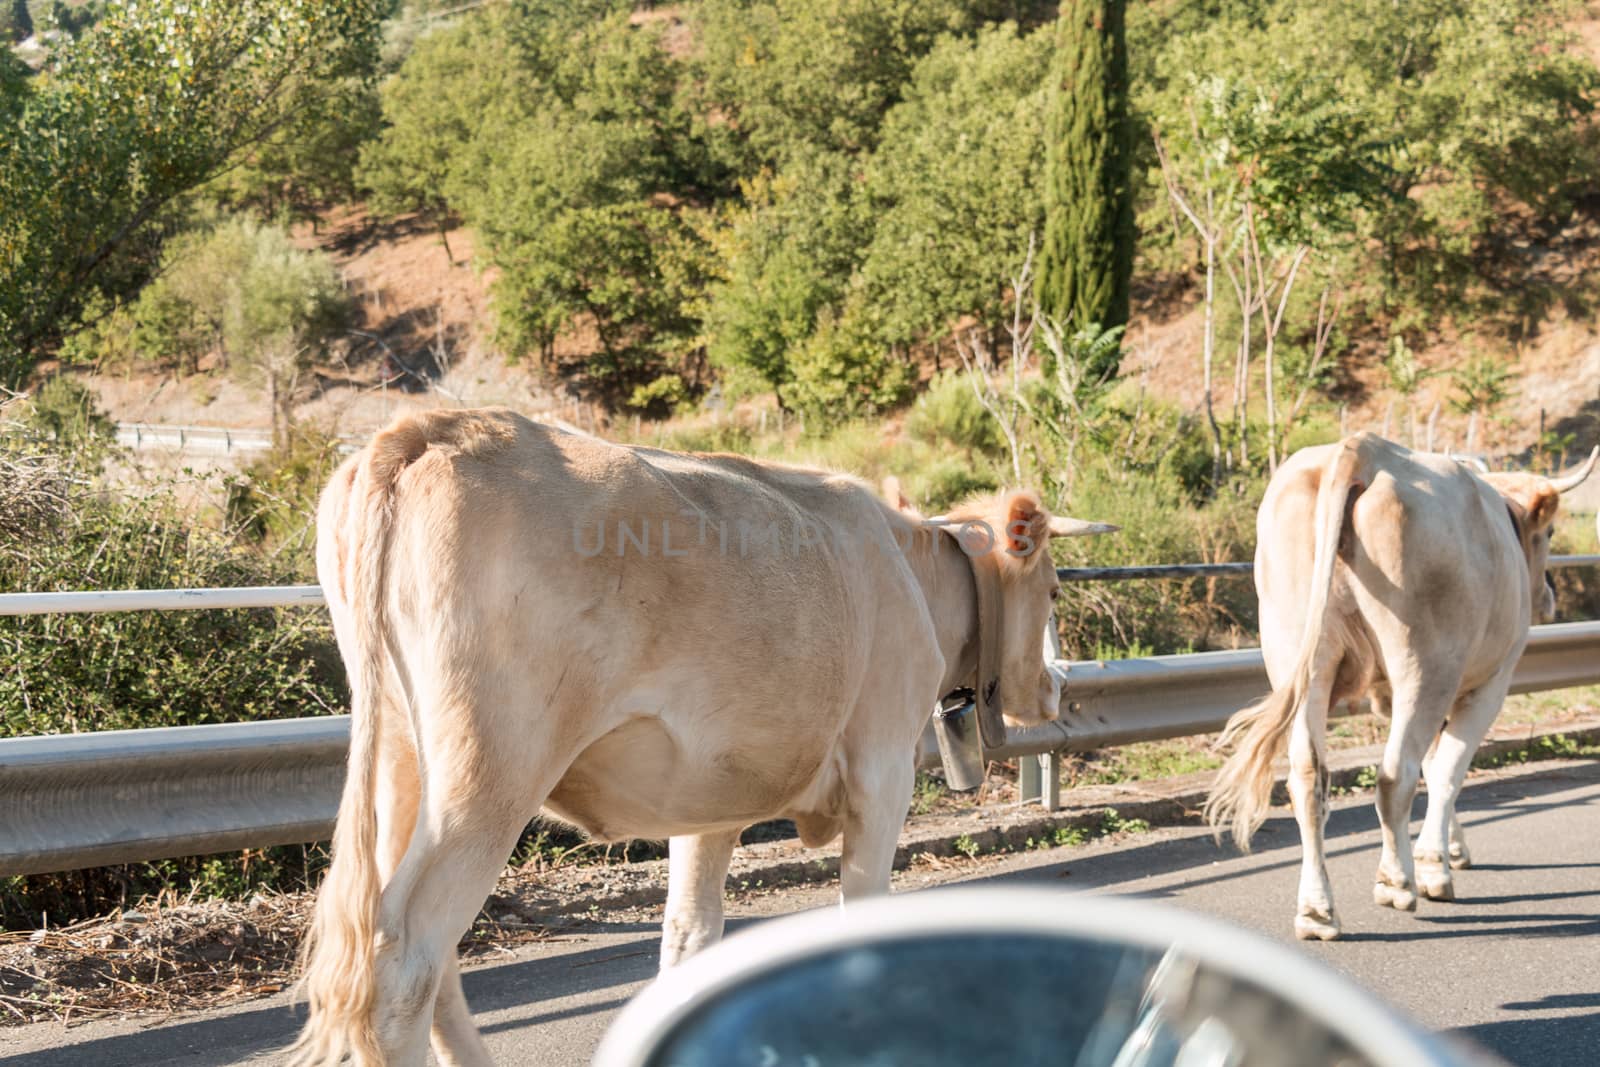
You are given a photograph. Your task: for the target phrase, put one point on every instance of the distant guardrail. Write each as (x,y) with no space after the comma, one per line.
(225,441)
(1224,570)
(209,440)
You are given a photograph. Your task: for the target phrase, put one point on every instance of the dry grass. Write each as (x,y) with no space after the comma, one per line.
(180,957)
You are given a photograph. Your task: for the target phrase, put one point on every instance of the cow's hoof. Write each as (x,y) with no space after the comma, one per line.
(1460,858)
(1316,926)
(1389,896)
(1436,887)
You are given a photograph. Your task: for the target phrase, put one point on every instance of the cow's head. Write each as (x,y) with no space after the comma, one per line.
(1007,538)
(1534,501)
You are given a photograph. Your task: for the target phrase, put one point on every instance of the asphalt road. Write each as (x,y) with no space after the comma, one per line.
(1514,964)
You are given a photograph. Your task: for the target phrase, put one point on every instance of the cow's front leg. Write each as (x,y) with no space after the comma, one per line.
(878,795)
(697,868)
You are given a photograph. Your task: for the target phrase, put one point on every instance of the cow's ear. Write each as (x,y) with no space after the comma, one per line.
(1027,525)
(1543,507)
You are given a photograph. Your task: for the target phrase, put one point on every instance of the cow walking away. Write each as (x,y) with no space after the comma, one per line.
(1407,577)
(645,644)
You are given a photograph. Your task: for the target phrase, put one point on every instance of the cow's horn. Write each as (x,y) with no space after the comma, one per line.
(1573,480)
(1061,526)
(1476,461)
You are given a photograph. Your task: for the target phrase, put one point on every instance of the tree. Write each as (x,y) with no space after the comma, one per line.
(455,80)
(784,259)
(1087,256)
(955,185)
(788,77)
(1471,116)
(310,163)
(243,288)
(150,102)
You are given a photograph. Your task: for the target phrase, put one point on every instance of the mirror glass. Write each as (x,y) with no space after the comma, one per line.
(998,998)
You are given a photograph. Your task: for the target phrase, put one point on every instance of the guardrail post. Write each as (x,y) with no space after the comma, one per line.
(1050,770)
(1028,779)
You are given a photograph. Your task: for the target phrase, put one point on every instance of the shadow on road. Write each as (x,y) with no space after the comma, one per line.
(230,1038)
(1536,1042)
(1480,804)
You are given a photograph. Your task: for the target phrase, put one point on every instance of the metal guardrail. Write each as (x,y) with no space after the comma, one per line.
(83,800)
(121,796)
(209,439)
(254,596)
(1223,570)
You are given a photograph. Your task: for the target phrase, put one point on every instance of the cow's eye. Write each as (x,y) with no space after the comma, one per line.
(1055,593)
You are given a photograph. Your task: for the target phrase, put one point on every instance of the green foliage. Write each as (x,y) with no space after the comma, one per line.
(785,78)
(665,394)
(955,184)
(272,502)
(105,337)
(1113,823)
(1549,746)
(1413,127)
(1086,260)
(844,370)
(783,258)
(151,101)
(1483,384)
(1406,373)
(67,673)
(451,82)
(1067,404)
(927,794)
(244,288)
(559,137)
(64,411)
(308,164)
(949,410)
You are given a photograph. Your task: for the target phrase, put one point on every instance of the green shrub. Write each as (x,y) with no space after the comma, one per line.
(63,410)
(1160,524)
(105,338)
(273,501)
(843,370)
(69,673)
(949,410)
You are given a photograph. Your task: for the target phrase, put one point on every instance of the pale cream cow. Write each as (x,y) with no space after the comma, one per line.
(645,644)
(1408,577)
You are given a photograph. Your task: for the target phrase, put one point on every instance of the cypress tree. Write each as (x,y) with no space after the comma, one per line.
(1087,254)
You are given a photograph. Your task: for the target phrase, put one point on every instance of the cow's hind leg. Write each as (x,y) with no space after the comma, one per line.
(456,1042)
(471,812)
(1460,858)
(1440,845)
(1314,918)
(1419,710)
(697,867)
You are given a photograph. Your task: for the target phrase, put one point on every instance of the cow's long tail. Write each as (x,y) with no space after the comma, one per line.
(336,956)
(1258,734)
